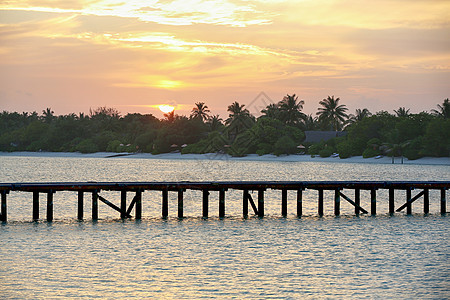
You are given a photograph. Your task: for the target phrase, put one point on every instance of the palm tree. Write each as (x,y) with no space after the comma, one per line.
(271,111)
(309,123)
(239,118)
(48,115)
(290,109)
(200,111)
(443,110)
(215,123)
(359,115)
(170,116)
(402,112)
(331,113)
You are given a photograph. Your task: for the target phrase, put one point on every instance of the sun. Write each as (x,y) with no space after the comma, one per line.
(165,108)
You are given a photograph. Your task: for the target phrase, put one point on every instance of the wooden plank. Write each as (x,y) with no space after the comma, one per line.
(355,204)
(205,202)
(320,204)
(123,204)
(80,205)
(426,201)
(373,202)
(180,204)
(391,201)
(165,204)
(95,205)
(138,209)
(337,203)
(245,204)
(443,204)
(4,208)
(410,200)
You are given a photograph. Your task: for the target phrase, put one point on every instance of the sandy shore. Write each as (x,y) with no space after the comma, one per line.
(252,157)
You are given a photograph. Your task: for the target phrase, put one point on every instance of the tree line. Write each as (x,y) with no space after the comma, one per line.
(279,130)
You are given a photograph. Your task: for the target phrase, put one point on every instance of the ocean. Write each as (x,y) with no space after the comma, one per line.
(372,257)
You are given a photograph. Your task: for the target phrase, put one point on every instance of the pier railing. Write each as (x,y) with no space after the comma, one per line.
(125,209)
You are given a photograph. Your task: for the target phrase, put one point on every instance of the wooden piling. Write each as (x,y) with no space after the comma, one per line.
(50,206)
(284,203)
(222,203)
(320,204)
(138,208)
(426,201)
(299,202)
(391,201)
(80,205)
(95,205)
(205,203)
(373,202)
(165,204)
(123,204)
(245,204)
(261,203)
(443,204)
(4,208)
(180,204)
(337,203)
(409,204)
(35,206)
(357,201)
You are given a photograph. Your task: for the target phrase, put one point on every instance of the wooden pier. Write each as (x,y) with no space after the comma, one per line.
(341,191)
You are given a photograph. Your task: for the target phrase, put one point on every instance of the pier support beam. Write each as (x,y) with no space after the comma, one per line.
(373,202)
(35,206)
(123,204)
(180,204)
(80,205)
(443,204)
(50,206)
(426,201)
(320,204)
(165,204)
(357,201)
(408,201)
(284,203)
(391,201)
(245,204)
(337,202)
(95,205)
(4,209)
(138,208)
(261,203)
(205,203)
(299,203)
(222,203)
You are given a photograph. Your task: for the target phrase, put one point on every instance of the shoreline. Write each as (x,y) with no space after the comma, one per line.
(251,157)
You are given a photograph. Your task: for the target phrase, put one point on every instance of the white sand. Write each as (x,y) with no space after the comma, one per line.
(251,157)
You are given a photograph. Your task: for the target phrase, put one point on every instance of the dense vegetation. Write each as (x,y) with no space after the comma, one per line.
(280,130)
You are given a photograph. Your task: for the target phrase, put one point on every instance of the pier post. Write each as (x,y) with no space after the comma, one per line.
(357,201)
(391,201)
(50,206)
(443,204)
(138,208)
(373,202)
(222,203)
(35,206)
(95,205)
(180,203)
(80,205)
(408,198)
(123,204)
(4,207)
(284,203)
(299,203)
(261,203)
(320,204)
(337,202)
(426,201)
(165,204)
(205,203)
(245,204)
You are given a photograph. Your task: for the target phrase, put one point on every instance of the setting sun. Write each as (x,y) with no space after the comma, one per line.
(165,108)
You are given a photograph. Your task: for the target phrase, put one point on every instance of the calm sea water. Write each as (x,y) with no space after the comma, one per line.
(401,257)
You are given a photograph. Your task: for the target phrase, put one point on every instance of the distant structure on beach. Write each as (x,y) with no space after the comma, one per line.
(314,136)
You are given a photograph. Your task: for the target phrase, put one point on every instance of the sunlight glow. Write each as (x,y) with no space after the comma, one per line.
(165,108)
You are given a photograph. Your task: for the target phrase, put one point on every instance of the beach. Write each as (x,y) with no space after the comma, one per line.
(250,157)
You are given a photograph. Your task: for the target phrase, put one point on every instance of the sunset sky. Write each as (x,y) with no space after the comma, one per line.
(135,55)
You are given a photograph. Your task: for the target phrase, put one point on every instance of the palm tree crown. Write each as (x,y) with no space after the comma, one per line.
(402,112)
(239,118)
(331,113)
(200,111)
(443,110)
(290,109)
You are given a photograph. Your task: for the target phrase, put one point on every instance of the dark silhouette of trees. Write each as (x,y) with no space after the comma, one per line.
(200,111)
(443,110)
(402,112)
(331,114)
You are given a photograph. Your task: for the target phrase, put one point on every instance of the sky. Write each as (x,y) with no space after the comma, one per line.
(73,56)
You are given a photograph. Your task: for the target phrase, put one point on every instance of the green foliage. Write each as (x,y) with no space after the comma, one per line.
(370,152)
(87,146)
(326,152)
(344,149)
(285,145)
